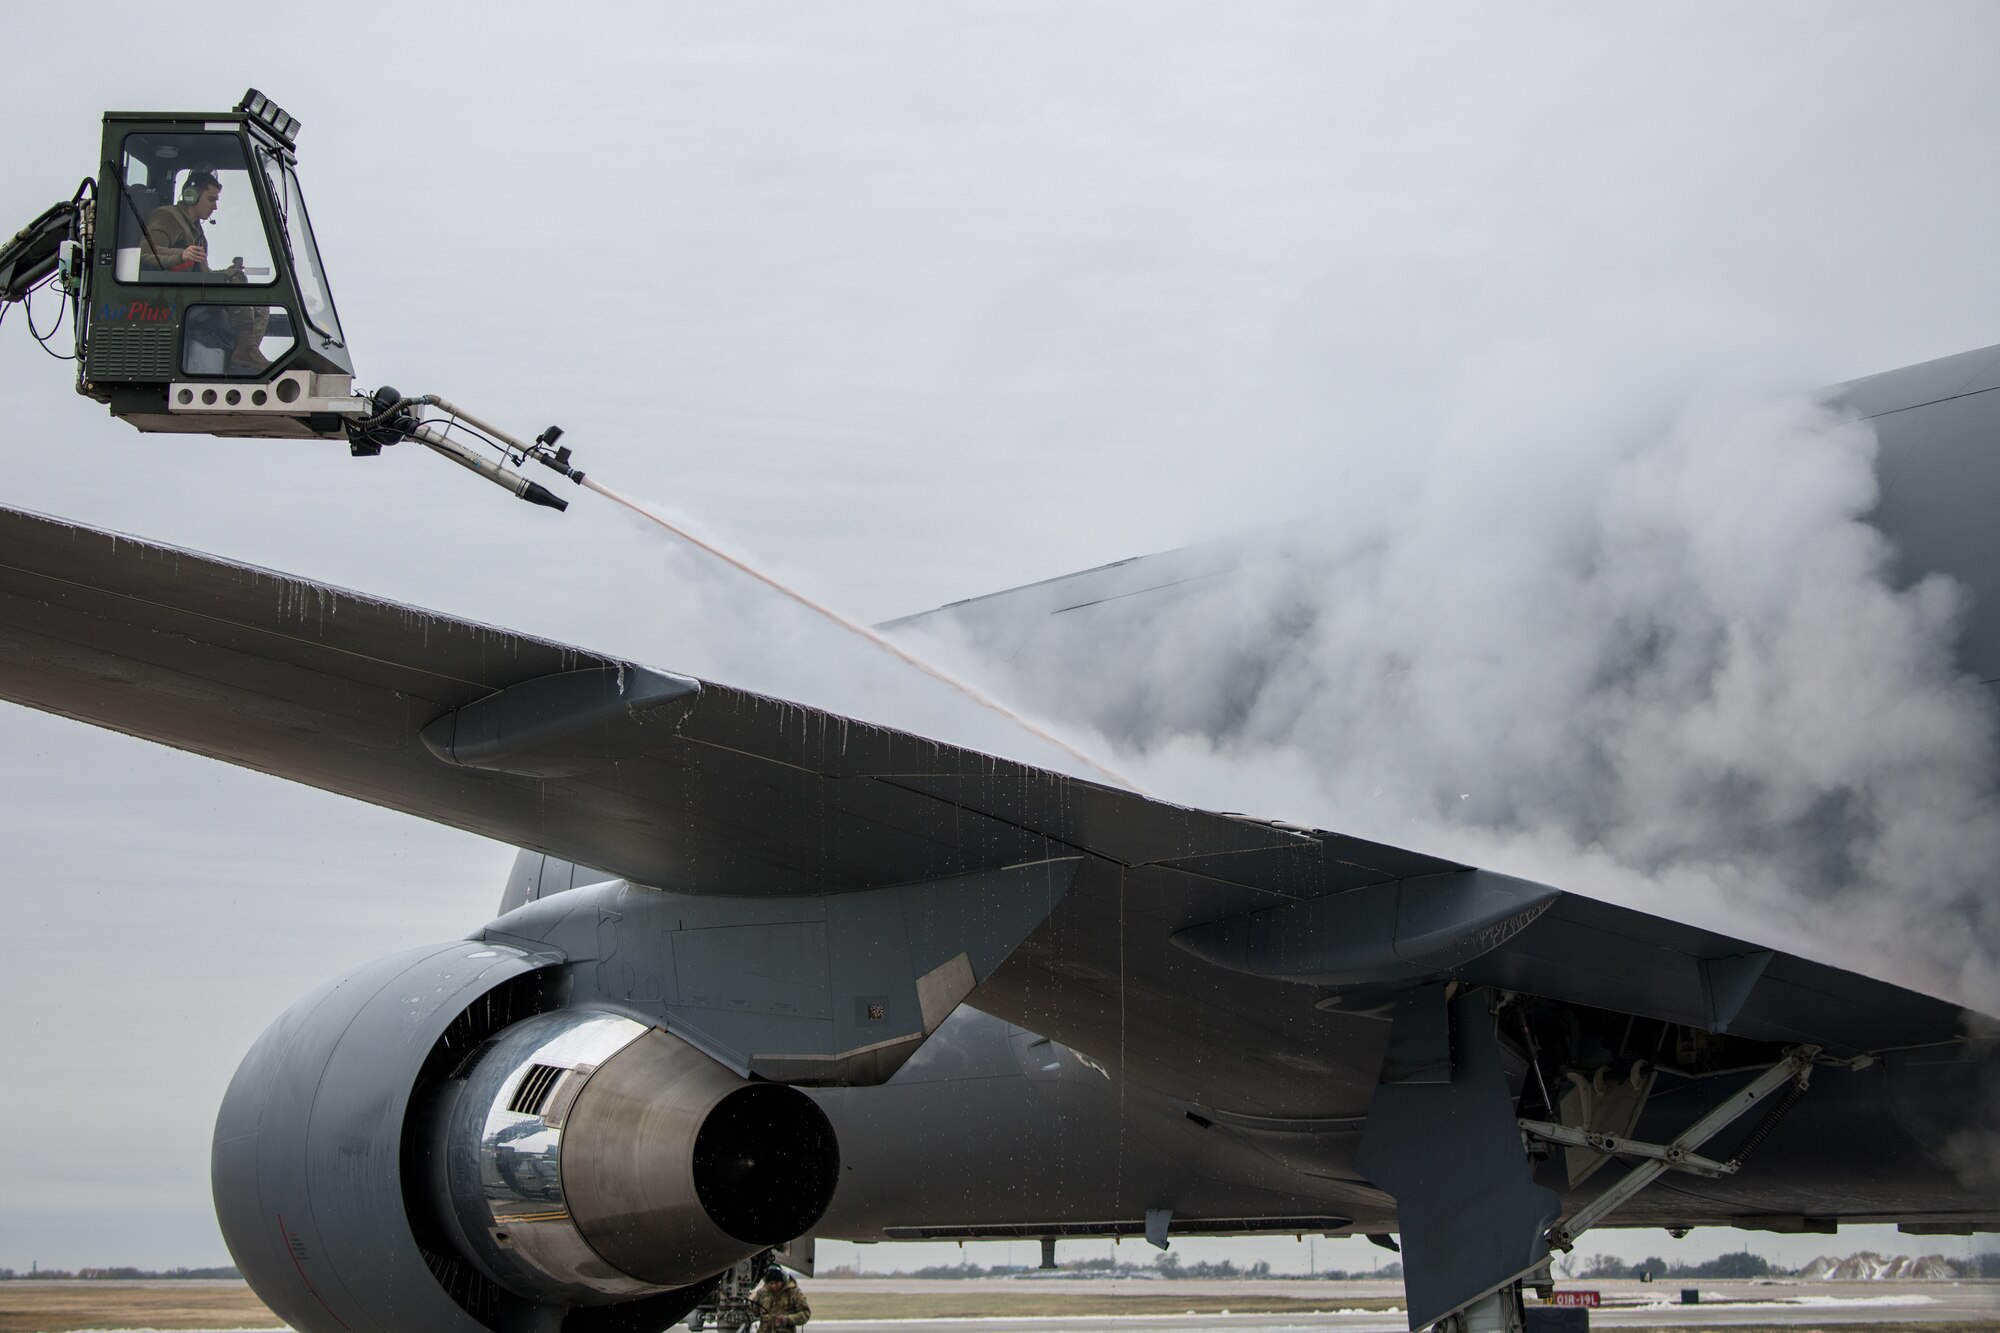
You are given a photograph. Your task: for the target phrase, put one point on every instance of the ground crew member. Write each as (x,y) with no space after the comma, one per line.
(174,242)
(780,1305)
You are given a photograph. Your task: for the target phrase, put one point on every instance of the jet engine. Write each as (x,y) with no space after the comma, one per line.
(439,1141)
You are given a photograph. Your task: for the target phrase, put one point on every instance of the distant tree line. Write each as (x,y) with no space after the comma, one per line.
(1743,1264)
(1598,1267)
(1166,1265)
(117,1274)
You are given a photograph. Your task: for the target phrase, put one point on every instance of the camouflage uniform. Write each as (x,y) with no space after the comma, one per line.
(236,329)
(780,1309)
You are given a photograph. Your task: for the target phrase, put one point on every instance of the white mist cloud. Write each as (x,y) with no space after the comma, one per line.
(1658,660)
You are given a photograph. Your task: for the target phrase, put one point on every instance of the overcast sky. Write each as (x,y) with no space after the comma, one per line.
(912,302)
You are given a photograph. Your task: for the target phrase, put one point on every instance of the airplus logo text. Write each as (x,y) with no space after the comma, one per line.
(138,312)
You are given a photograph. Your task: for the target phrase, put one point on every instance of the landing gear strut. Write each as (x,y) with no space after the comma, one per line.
(1444,1138)
(727,1309)
(1500,1312)
(1794,1068)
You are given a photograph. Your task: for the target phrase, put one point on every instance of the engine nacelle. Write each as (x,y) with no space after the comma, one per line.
(372,1172)
(583,1158)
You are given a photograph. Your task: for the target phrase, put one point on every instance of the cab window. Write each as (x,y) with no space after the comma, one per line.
(188,212)
(295,233)
(234,340)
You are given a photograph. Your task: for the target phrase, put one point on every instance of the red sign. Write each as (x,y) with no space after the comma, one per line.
(1589,1298)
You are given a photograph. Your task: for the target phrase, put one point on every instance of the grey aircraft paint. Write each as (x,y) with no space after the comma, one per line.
(1027,1004)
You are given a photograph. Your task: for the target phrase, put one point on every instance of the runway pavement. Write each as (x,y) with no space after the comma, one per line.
(1628,1305)
(1330,1305)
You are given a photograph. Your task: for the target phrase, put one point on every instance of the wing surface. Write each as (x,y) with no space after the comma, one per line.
(661,779)
(1181,947)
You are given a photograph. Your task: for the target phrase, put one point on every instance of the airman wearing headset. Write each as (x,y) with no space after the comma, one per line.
(173,234)
(174,242)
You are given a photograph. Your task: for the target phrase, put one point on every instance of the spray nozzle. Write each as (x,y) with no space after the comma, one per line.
(549,455)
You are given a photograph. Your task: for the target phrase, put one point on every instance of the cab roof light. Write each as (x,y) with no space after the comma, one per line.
(271,116)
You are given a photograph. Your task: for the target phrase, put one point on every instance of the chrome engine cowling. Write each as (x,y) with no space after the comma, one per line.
(371,1172)
(582,1158)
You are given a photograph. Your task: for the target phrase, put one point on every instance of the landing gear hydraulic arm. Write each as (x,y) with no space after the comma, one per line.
(1794,1068)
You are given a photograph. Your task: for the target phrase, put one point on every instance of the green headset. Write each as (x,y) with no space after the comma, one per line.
(197,180)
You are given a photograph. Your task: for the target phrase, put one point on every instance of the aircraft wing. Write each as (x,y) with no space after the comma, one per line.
(699,788)
(659,778)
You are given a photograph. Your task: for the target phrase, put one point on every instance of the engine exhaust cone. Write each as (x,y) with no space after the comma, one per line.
(586,1159)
